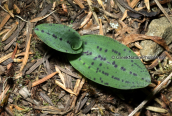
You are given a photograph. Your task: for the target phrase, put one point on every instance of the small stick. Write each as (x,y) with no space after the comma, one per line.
(157,89)
(26,54)
(162,9)
(43,79)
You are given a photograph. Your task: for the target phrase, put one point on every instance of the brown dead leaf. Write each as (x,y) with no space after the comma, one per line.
(16,8)
(79,4)
(87,18)
(7,17)
(135,37)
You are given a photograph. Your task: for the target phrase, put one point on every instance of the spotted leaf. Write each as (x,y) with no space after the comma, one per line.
(110,63)
(60,37)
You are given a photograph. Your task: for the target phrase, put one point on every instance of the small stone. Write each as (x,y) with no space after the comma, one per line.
(158,27)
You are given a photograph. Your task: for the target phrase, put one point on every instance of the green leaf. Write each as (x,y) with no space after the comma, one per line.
(101,61)
(60,37)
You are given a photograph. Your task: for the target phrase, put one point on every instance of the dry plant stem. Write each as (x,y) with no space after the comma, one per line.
(101,3)
(13,55)
(2,59)
(43,79)
(61,76)
(40,18)
(162,9)
(9,55)
(80,86)
(86,19)
(94,14)
(26,54)
(4,92)
(4,31)
(77,85)
(157,89)
(101,28)
(147,4)
(9,11)
(63,87)
(8,34)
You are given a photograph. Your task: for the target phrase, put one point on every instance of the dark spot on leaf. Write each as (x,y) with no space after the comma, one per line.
(115,66)
(132,65)
(106,83)
(107,74)
(115,78)
(54,36)
(60,39)
(97,47)
(79,58)
(90,53)
(131,60)
(48,33)
(89,67)
(127,82)
(69,29)
(124,49)
(130,72)
(113,62)
(108,62)
(100,64)
(100,49)
(84,63)
(99,56)
(85,43)
(42,31)
(36,29)
(123,69)
(106,50)
(92,63)
(94,78)
(104,59)
(142,78)
(134,74)
(122,80)
(95,58)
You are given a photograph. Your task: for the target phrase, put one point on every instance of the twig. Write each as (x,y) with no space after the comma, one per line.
(162,9)
(43,79)
(157,89)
